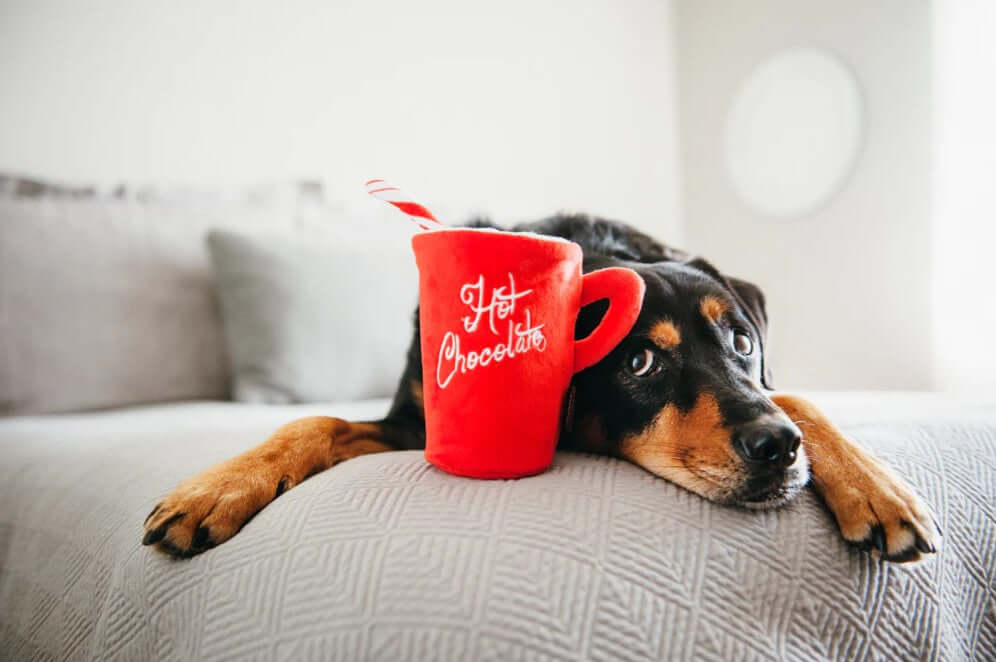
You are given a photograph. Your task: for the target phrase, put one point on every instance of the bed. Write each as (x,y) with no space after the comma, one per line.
(384,557)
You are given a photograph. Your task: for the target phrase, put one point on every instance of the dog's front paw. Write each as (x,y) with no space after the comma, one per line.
(877,511)
(208,509)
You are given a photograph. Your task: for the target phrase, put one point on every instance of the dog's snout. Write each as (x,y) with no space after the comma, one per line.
(767,443)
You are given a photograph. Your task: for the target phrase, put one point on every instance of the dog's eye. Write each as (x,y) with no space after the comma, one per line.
(644,362)
(742,344)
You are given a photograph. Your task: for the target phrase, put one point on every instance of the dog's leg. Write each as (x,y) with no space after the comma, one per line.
(875,508)
(210,508)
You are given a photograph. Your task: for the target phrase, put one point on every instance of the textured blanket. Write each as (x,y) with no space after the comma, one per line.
(386,558)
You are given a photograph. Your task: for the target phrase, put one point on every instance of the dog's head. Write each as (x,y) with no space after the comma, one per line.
(683,395)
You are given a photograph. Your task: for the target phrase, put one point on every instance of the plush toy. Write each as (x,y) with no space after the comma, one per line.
(497,314)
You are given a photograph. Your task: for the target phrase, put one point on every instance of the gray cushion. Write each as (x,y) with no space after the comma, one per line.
(386,558)
(314,318)
(107,300)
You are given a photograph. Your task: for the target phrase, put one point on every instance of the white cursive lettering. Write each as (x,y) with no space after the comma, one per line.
(501,306)
(522,336)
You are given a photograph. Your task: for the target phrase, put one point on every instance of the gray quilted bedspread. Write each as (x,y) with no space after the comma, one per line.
(385,558)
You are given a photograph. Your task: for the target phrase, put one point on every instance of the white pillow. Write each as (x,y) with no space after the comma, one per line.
(109,300)
(315,318)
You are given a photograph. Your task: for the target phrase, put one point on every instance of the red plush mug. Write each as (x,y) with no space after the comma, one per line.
(497,316)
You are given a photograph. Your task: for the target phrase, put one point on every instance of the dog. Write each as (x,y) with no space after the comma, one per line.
(686,395)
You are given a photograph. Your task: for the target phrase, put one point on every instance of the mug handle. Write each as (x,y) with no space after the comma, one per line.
(624,289)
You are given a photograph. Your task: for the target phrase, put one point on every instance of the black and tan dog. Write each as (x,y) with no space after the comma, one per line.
(685,396)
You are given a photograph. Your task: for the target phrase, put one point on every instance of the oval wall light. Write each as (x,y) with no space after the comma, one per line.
(794,132)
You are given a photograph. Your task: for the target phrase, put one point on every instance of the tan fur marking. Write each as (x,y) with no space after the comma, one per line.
(691,449)
(713,308)
(359,439)
(665,334)
(416,387)
(860,490)
(223,498)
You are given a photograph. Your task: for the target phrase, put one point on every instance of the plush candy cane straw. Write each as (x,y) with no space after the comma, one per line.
(378,188)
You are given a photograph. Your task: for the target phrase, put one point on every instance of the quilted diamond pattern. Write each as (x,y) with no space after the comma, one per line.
(386,558)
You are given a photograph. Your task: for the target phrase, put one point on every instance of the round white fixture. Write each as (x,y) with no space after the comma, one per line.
(794,132)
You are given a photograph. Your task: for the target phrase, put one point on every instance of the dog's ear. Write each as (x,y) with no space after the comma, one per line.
(751,301)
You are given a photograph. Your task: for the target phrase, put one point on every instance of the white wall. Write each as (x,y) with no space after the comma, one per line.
(515,108)
(848,286)
(522,108)
(964,201)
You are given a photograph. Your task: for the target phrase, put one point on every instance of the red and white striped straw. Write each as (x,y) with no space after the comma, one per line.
(381,189)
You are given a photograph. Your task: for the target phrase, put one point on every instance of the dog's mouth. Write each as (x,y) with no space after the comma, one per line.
(757,491)
(762,493)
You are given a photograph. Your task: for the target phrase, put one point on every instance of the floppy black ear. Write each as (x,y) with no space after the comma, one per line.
(751,300)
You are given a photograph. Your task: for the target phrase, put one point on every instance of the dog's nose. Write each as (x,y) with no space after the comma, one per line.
(770,444)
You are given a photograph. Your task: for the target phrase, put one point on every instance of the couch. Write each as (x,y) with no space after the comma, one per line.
(384,557)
